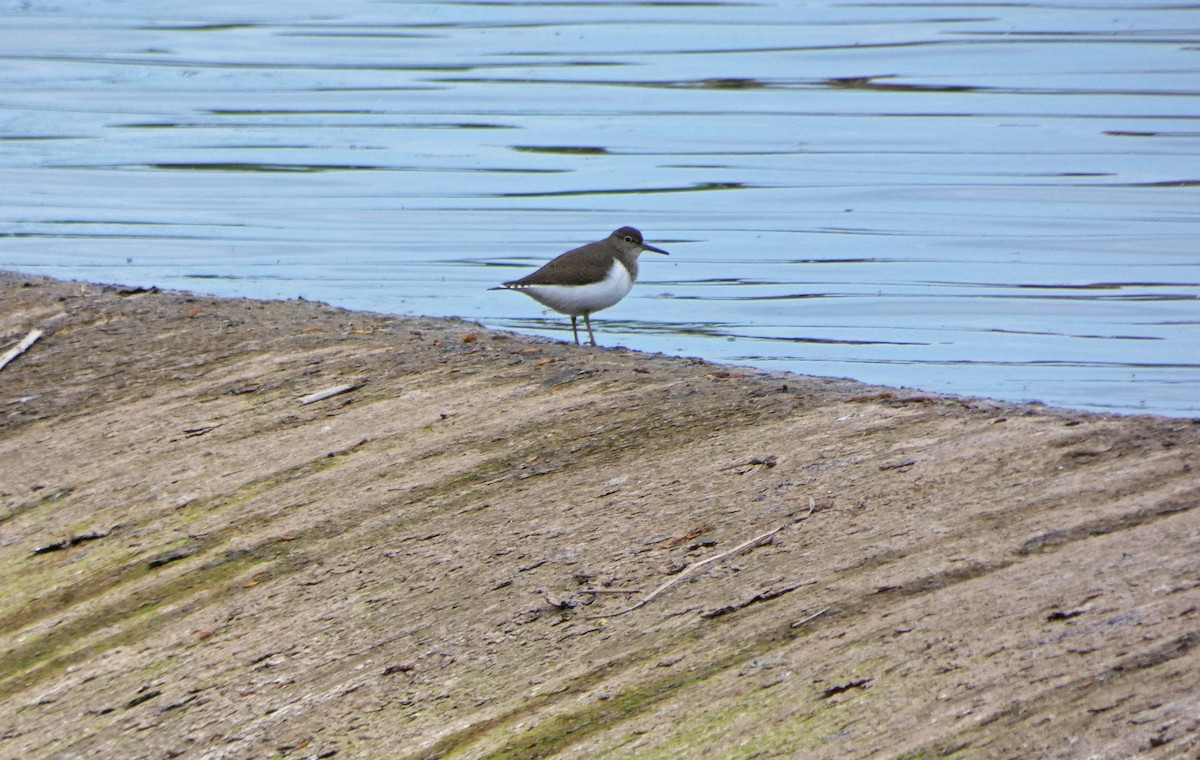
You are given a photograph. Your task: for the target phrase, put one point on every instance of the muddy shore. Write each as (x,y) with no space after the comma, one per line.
(235,529)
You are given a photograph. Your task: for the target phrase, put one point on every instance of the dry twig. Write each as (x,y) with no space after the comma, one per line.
(811,617)
(694,567)
(21,347)
(321,395)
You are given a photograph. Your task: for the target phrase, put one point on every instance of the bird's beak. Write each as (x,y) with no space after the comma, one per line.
(646,247)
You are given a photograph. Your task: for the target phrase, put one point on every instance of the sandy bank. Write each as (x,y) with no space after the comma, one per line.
(434,561)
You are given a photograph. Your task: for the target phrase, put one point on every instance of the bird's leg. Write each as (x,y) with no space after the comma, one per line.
(588,321)
(574,330)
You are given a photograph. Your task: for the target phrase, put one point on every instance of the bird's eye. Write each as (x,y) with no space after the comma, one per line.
(628,239)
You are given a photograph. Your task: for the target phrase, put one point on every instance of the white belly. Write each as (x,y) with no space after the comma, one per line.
(577,300)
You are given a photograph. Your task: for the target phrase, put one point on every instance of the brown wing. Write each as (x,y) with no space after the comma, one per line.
(581,266)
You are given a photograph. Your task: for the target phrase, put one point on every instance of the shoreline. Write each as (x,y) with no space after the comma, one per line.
(1037,389)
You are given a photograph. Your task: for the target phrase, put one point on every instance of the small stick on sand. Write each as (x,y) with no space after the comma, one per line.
(811,617)
(693,568)
(313,398)
(20,348)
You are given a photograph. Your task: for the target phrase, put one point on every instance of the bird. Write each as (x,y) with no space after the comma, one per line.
(587,279)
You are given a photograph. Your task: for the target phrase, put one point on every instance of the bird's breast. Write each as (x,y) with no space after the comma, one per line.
(584,299)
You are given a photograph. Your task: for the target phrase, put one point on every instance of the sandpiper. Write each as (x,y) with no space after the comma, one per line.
(585,280)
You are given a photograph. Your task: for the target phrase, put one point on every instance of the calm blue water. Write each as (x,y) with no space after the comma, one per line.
(989,199)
